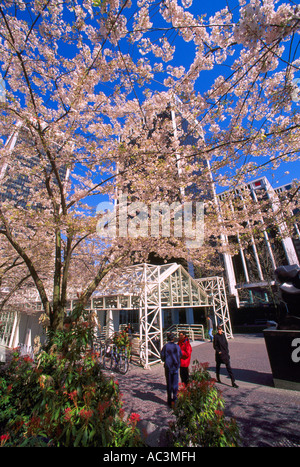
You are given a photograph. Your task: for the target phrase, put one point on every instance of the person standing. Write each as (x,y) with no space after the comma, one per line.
(186,351)
(222,355)
(171,355)
(210,328)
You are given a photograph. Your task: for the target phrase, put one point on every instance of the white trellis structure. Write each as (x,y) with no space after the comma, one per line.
(152,289)
(215,289)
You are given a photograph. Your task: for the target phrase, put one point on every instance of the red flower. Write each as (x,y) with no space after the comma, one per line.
(33,425)
(85,414)
(68,414)
(3,439)
(134,418)
(72,395)
(102,406)
(27,359)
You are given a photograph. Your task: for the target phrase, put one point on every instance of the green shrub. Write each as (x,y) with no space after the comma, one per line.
(63,398)
(122,342)
(200,419)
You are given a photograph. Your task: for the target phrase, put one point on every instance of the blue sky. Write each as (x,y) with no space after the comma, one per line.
(183,56)
(288,171)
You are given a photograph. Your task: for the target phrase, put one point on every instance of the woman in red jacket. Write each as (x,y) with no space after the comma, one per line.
(186,351)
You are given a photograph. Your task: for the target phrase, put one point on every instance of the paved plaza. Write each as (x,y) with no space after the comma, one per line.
(267,416)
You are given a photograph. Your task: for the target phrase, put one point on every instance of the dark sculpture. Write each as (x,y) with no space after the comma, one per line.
(288,278)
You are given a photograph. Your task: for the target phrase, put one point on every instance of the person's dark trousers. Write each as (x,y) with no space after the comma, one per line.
(172,385)
(184,374)
(229,371)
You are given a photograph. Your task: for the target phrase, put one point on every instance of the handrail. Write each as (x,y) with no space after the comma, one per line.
(194,331)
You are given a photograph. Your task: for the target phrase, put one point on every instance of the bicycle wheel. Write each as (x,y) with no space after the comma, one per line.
(107,358)
(123,364)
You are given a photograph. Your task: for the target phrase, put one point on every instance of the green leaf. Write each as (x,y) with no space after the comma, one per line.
(85,436)
(78,438)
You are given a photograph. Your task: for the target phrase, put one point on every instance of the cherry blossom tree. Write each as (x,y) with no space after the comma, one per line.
(102,104)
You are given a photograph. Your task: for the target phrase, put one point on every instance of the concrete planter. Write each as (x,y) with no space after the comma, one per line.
(283,348)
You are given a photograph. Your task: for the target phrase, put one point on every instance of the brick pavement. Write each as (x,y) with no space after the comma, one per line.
(267,416)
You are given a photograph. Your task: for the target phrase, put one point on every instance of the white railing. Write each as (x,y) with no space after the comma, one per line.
(193,331)
(3,351)
(26,350)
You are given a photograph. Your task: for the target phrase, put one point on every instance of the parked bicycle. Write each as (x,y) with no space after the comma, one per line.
(99,348)
(116,359)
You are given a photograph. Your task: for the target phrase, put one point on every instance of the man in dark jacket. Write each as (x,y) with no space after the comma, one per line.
(222,355)
(171,355)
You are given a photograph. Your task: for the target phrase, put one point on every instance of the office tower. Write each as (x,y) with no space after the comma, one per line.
(250,271)
(22,180)
(161,156)
(22,177)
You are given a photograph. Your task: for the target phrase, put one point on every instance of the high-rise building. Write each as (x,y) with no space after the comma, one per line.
(176,134)
(288,193)
(20,184)
(250,271)
(20,178)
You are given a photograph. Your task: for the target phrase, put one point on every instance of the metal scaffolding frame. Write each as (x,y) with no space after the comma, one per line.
(150,289)
(215,289)
(155,288)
